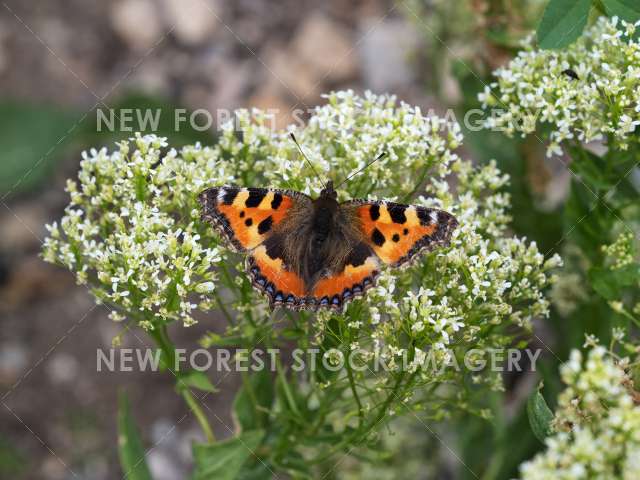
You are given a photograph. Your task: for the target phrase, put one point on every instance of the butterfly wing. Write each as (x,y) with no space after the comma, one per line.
(387,233)
(252,221)
(397,233)
(356,275)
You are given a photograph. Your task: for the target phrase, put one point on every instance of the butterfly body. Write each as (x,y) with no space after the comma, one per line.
(306,253)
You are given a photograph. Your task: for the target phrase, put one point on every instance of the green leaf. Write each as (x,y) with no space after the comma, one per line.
(609,283)
(587,220)
(196,379)
(628,10)
(32,138)
(130,449)
(592,169)
(540,416)
(562,22)
(224,460)
(254,400)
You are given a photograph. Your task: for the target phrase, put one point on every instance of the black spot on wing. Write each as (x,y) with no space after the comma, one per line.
(396,212)
(395,238)
(374,212)
(242,214)
(274,247)
(255,197)
(359,254)
(248,222)
(277,200)
(424,214)
(377,237)
(265,225)
(230,195)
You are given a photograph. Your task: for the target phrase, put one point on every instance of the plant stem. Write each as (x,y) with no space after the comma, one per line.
(199,414)
(161,337)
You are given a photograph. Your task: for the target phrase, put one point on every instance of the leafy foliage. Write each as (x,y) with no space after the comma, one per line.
(130,449)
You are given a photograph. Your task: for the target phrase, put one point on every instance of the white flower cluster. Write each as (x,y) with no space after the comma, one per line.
(456,295)
(125,234)
(597,423)
(587,92)
(133,232)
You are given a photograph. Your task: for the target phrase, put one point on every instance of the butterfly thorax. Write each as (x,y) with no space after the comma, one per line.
(324,227)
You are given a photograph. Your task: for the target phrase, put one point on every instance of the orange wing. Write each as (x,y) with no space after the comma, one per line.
(248,218)
(360,271)
(397,232)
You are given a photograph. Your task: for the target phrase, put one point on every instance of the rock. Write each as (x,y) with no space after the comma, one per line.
(289,74)
(13,362)
(53,469)
(162,466)
(4,56)
(384,52)
(62,368)
(326,48)
(150,77)
(193,21)
(22,227)
(137,23)
(31,279)
(231,85)
(270,101)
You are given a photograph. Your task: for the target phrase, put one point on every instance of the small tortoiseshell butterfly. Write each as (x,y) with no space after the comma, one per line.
(306,253)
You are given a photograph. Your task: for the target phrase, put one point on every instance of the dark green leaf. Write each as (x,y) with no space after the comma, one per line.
(32,138)
(130,449)
(628,10)
(602,282)
(587,220)
(253,400)
(224,460)
(592,169)
(609,283)
(196,379)
(540,416)
(562,22)
(258,471)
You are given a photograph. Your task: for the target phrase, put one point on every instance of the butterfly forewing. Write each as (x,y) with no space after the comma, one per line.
(398,232)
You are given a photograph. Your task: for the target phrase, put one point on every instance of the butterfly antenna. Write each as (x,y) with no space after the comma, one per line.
(383,154)
(293,137)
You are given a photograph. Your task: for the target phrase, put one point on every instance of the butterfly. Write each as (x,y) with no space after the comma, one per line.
(306,253)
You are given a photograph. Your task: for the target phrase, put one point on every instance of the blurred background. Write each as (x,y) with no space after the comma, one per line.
(63,61)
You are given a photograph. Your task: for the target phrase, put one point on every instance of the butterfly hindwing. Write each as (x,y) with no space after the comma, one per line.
(271,275)
(398,232)
(247,216)
(360,270)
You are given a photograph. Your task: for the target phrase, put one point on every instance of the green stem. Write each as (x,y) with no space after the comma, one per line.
(199,414)
(223,309)
(352,385)
(161,337)
(363,432)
